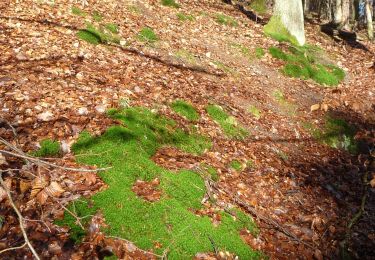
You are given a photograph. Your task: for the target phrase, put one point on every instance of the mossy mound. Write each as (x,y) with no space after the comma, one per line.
(170,3)
(147,35)
(169,223)
(228,123)
(259,6)
(48,147)
(226,20)
(96,35)
(303,62)
(185,17)
(185,109)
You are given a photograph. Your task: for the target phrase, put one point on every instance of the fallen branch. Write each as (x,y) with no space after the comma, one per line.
(13,248)
(20,218)
(39,161)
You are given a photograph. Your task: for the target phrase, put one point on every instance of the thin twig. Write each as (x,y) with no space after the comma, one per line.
(20,218)
(144,251)
(13,248)
(36,160)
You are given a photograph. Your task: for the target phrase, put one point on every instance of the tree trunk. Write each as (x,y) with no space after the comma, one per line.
(370,28)
(338,12)
(345,15)
(291,15)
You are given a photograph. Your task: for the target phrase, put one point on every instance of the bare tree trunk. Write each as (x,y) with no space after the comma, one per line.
(345,15)
(370,28)
(338,12)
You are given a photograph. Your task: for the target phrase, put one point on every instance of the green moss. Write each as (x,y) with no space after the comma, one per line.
(223,67)
(96,35)
(96,16)
(185,109)
(250,164)
(276,30)
(259,52)
(337,133)
(147,35)
(170,3)
(226,20)
(228,123)
(210,171)
(236,165)
(254,111)
(185,17)
(48,147)
(302,62)
(259,6)
(171,220)
(77,11)
(186,56)
(113,28)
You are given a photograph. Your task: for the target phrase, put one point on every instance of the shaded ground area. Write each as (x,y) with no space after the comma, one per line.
(53,85)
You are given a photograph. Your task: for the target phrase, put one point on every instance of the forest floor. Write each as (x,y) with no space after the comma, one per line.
(302,193)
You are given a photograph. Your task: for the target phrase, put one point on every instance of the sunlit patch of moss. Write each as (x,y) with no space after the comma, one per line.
(96,35)
(223,67)
(226,20)
(211,171)
(259,6)
(113,28)
(128,150)
(77,11)
(254,111)
(259,52)
(96,16)
(185,17)
(186,56)
(236,165)
(170,3)
(48,147)
(228,123)
(185,109)
(303,62)
(147,35)
(276,30)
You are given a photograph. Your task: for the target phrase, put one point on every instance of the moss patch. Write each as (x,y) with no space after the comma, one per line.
(226,20)
(210,171)
(228,123)
(236,165)
(113,28)
(77,11)
(259,52)
(303,62)
(95,35)
(254,111)
(147,35)
(170,3)
(185,17)
(186,56)
(276,30)
(96,16)
(336,133)
(158,225)
(185,109)
(48,147)
(259,6)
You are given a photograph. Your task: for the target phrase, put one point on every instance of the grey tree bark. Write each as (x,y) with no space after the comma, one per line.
(370,28)
(291,15)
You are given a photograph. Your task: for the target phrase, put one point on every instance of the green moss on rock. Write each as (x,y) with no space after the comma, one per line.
(276,30)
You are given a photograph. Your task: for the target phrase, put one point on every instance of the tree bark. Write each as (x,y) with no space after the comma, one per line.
(291,15)
(370,28)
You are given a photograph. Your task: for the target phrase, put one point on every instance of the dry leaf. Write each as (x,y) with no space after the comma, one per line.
(314,107)
(372,182)
(3,161)
(3,194)
(24,186)
(324,107)
(54,189)
(38,185)
(42,197)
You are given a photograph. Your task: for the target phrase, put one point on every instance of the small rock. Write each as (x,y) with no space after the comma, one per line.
(79,75)
(137,89)
(100,109)
(315,107)
(83,111)
(45,116)
(130,247)
(65,147)
(123,42)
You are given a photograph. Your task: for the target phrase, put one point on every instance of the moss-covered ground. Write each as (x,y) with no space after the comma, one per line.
(48,147)
(303,62)
(147,35)
(185,109)
(170,222)
(226,20)
(228,123)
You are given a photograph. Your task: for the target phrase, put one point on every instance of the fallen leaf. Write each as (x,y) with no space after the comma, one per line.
(314,107)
